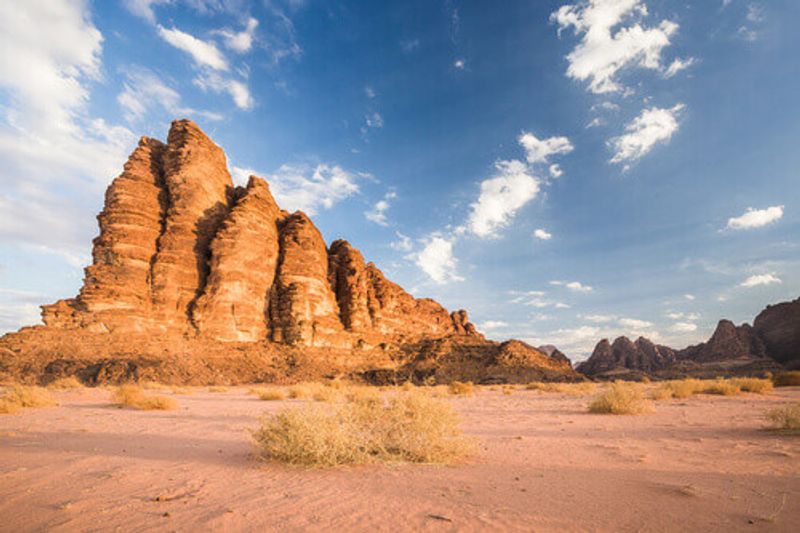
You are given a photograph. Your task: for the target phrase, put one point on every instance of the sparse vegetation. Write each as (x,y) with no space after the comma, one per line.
(218,388)
(786,419)
(723,387)
(461,388)
(66,383)
(409,427)
(271,395)
(134,397)
(621,399)
(754,385)
(572,389)
(20,396)
(301,390)
(787,379)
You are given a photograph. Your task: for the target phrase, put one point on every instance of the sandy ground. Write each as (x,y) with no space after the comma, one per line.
(702,464)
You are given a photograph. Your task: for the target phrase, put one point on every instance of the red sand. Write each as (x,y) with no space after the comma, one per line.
(544,464)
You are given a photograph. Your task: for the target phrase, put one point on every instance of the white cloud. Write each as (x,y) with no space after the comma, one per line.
(575,286)
(677,315)
(56,157)
(595,122)
(600,319)
(678,65)
(306,188)
(760,279)
(378,212)
(408,46)
(539,150)
(403,243)
(369,91)
(204,53)
(143,8)
(501,197)
(240,42)
(542,234)
(689,296)
(373,120)
(144,91)
(238,91)
(603,51)
(492,325)
(756,218)
(755,12)
(436,259)
(635,323)
(555,170)
(683,327)
(654,125)
(460,64)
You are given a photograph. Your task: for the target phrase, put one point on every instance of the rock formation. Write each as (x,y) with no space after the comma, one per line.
(554,353)
(778,326)
(728,342)
(186,259)
(641,355)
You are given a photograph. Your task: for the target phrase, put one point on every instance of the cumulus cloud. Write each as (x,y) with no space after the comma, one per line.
(460,64)
(143,8)
(238,91)
(436,259)
(555,170)
(204,53)
(653,126)
(575,286)
(240,42)
(677,315)
(378,212)
(542,234)
(756,218)
(539,150)
(600,319)
(605,50)
(490,325)
(307,188)
(689,296)
(760,279)
(683,327)
(635,323)
(501,197)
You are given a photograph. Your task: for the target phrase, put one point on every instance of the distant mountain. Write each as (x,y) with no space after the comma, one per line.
(772,343)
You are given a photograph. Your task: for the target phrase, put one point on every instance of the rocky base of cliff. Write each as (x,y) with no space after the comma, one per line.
(41,355)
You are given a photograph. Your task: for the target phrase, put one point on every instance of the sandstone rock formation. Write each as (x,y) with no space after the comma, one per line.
(778,326)
(641,355)
(187,263)
(728,342)
(554,353)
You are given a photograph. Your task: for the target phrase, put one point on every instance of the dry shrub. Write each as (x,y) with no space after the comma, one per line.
(407,386)
(325,394)
(681,388)
(754,385)
(724,387)
(218,388)
(786,418)
(301,390)
(508,390)
(20,396)
(572,389)
(409,427)
(337,383)
(8,406)
(154,385)
(459,388)
(787,379)
(270,395)
(67,383)
(621,399)
(133,396)
(363,395)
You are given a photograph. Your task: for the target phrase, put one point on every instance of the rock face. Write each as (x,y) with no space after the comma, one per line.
(778,326)
(554,353)
(641,355)
(728,342)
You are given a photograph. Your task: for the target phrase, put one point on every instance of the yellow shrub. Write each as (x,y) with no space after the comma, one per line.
(134,397)
(410,427)
(571,389)
(271,395)
(786,418)
(302,390)
(218,388)
(723,387)
(755,385)
(67,383)
(459,388)
(787,379)
(621,399)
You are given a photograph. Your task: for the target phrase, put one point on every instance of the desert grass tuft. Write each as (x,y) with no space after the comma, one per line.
(679,388)
(20,396)
(461,388)
(408,427)
(134,397)
(301,390)
(584,388)
(218,388)
(66,383)
(786,419)
(754,385)
(787,379)
(271,395)
(621,399)
(154,385)
(723,387)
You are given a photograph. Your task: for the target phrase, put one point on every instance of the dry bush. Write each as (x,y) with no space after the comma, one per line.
(19,396)
(508,390)
(269,395)
(681,388)
(410,427)
(133,396)
(724,387)
(301,390)
(325,394)
(407,386)
(459,388)
(218,388)
(67,383)
(621,399)
(787,379)
(754,385)
(363,394)
(8,406)
(786,418)
(572,389)
(154,385)
(337,383)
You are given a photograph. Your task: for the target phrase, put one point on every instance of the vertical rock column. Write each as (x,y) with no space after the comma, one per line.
(244,256)
(350,282)
(197,183)
(303,308)
(116,291)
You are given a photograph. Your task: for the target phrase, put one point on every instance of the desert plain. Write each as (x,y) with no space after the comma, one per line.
(541,462)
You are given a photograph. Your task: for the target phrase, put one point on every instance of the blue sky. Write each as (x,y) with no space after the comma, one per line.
(565,170)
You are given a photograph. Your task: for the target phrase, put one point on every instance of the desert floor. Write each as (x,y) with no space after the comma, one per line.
(544,463)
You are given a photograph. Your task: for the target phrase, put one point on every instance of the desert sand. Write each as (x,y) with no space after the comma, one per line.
(543,463)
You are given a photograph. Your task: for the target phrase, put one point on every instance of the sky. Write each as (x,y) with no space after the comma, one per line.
(564,170)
